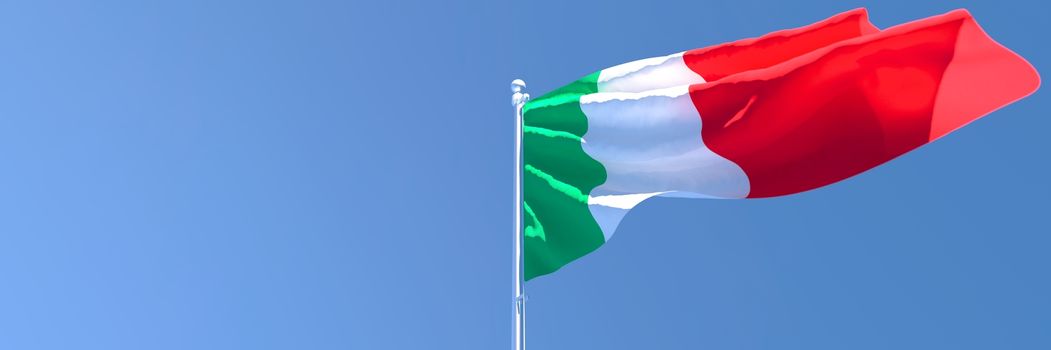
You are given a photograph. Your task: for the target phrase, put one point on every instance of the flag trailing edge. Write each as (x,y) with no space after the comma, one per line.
(780,114)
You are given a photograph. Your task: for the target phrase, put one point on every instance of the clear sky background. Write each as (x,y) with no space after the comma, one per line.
(337,175)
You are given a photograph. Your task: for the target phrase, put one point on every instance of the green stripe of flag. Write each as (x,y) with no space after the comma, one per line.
(557,179)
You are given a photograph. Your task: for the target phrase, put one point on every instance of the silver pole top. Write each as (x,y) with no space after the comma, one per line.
(517,85)
(519,98)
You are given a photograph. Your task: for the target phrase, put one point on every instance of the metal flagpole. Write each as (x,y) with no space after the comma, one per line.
(518,99)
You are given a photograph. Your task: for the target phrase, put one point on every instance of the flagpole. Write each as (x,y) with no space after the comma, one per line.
(518,99)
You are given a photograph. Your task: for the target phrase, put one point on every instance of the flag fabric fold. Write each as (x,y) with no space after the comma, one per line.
(780,114)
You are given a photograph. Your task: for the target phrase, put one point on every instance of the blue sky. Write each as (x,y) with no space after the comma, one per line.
(337,175)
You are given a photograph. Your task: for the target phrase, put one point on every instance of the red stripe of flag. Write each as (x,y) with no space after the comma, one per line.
(845,108)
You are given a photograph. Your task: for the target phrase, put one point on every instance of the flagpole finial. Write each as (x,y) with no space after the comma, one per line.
(519,97)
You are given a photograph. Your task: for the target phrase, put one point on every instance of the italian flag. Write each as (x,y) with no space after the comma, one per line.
(780,114)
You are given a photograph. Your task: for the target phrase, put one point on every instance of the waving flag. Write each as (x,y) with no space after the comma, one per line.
(784,113)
